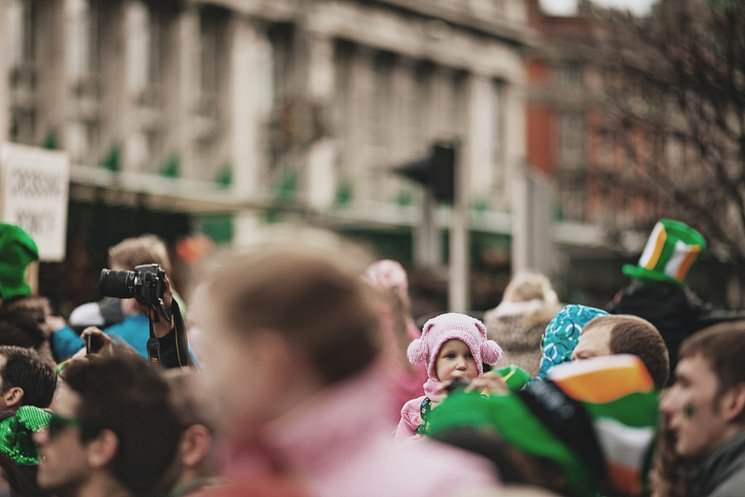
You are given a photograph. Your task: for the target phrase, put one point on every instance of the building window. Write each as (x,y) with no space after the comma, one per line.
(381,99)
(157,33)
(571,140)
(457,105)
(281,38)
(212,63)
(21,32)
(423,105)
(498,128)
(570,76)
(212,44)
(573,204)
(21,22)
(343,56)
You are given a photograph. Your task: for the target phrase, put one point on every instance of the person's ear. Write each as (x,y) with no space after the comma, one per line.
(102,449)
(196,445)
(13,397)
(733,402)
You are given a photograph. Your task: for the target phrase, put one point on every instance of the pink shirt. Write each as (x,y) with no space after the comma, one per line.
(340,444)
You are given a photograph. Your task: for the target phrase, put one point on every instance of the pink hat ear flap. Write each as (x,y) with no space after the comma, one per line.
(417,351)
(490,352)
(481,327)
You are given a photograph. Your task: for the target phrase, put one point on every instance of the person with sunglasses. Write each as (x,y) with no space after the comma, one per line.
(112,432)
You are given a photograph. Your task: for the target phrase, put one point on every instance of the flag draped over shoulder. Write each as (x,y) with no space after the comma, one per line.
(596,419)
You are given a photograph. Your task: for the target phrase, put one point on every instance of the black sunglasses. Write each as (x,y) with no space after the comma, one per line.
(59,423)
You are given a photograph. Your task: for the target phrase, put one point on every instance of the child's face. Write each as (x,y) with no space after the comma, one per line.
(455,361)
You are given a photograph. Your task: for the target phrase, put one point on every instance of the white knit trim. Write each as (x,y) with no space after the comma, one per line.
(517,308)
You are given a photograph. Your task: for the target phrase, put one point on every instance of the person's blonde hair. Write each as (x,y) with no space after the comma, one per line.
(528,286)
(145,249)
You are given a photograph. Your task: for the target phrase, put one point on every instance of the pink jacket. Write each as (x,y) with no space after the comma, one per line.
(339,444)
(411,418)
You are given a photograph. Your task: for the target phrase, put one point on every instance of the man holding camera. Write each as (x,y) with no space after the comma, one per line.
(132,255)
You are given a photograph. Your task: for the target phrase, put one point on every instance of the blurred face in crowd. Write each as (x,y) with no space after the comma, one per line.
(246,375)
(454,361)
(593,342)
(699,416)
(63,459)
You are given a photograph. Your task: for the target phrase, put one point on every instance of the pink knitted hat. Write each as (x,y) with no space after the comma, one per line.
(444,327)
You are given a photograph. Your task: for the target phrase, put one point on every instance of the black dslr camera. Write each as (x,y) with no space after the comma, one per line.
(145,284)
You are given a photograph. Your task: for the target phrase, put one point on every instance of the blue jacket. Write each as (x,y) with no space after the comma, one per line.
(134,331)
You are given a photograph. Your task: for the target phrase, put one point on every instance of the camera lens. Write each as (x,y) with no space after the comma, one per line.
(120,284)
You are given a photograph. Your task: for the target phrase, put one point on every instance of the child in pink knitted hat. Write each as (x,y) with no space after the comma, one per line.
(452,347)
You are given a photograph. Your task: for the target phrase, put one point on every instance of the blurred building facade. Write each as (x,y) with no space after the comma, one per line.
(317,99)
(179,112)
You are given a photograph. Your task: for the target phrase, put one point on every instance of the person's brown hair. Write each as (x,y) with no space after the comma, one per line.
(637,336)
(313,299)
(723,348)
(145,249)
(184,396)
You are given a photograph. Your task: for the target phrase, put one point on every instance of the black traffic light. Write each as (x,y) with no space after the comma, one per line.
(435,172)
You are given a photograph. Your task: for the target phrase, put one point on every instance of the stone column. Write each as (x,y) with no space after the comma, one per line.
(181,89)
(249,60)
(440,97)
(478,151)
(321,157)
(362,90)
(115,106)
(514,133)
(136,150)
(4,76)
(52,87)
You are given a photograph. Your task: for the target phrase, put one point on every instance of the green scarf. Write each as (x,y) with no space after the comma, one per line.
(16,432)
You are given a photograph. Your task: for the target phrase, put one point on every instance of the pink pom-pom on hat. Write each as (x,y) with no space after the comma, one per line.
(387,275)
(444,327)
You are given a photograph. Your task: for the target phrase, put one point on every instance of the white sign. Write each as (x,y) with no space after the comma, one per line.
(33,194)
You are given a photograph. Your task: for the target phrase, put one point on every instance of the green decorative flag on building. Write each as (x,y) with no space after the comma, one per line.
(670,252)
(171,168)
(113,160)
(405,198)
(286,189)
(50,142)
(225,177)
(344,194)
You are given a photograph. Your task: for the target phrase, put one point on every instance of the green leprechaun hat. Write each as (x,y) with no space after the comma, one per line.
(670,252)
(17,251)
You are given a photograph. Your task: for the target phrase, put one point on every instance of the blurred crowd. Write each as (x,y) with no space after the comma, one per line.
(295,368)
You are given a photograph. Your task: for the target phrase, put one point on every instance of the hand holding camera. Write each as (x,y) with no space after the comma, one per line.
(149,285)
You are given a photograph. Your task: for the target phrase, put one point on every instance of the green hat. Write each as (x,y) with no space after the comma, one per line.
(670,252)
(17,251)
(517,425)
(514,376)
(16,434)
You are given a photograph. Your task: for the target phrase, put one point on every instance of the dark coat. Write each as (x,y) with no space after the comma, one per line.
(674,310)
(723,472)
